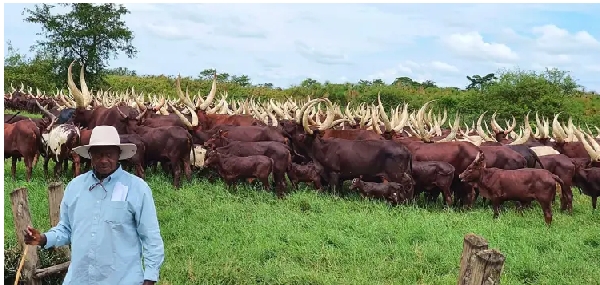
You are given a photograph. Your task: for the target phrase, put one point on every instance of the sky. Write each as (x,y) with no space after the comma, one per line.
(286,43)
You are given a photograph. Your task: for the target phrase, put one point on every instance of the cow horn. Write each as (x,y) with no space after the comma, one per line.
(85,92)
(211,95)
(330,115)
(79,100)
(375,121)
(496,128)
(590,150)
(141,114)
(305,115)
(121,113)
(184,99)
(452,135)
(512,127)
(45,110)
(480,131)
(303,109)
(557,131)
(384,116)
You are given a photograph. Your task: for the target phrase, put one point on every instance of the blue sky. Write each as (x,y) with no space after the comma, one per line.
(286,43)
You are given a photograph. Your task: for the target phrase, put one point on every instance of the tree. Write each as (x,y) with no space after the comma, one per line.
(242,80)
(90,34)
(123,71)
(481,83)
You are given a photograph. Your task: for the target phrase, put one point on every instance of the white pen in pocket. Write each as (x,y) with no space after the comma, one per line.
(119,192)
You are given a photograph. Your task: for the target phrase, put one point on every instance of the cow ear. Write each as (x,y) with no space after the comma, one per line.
(361,177)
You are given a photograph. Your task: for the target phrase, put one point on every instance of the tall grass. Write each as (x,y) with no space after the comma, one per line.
(248,236)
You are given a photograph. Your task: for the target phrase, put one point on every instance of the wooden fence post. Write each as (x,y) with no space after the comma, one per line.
(478,264)
(55,196)
(22,219)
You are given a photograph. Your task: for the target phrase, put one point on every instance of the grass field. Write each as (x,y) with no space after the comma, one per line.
(213,236)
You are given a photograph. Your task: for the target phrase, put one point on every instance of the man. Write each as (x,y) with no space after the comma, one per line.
(108,216)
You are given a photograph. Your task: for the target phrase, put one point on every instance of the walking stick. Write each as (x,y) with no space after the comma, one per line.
(21,263)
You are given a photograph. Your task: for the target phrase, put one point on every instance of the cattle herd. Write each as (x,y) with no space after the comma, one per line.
(394,155)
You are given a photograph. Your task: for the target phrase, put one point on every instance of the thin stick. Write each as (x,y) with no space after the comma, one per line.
(21,263)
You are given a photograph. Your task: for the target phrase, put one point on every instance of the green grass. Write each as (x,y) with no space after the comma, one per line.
(247,236)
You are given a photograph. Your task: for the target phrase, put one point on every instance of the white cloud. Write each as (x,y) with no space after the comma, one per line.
(555,40)
(471,45)
(286,43)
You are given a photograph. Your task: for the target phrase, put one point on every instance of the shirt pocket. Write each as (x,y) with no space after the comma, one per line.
(118,212)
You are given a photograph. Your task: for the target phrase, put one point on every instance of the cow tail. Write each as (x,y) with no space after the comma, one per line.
(537,160)
(561,187)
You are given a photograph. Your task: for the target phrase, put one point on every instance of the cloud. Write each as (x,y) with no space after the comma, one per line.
(286,43)
(471,46)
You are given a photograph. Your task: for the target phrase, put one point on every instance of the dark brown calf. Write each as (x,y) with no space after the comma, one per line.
(234,168)
(304,173)
(521,185)
(21,140)
(433,177)
(588,181)
(392,192)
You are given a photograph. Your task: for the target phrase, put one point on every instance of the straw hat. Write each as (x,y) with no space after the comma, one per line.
(106,136)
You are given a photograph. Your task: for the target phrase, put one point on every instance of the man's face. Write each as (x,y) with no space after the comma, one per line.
(104,158)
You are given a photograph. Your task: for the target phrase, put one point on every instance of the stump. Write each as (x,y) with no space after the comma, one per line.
(55,196)
(22,219)
(478,264)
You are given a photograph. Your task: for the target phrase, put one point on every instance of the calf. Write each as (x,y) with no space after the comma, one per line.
(137,160)
(393,192)
(588,181)
(233,168)
(433,177)
(521,185)
(304,173)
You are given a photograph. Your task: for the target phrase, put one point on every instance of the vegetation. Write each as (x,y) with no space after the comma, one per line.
(248,236)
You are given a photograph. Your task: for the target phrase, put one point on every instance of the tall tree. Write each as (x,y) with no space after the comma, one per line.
(88,33)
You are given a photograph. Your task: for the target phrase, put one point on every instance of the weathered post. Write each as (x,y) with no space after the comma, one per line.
(22,219)
(478,264)
(55,196)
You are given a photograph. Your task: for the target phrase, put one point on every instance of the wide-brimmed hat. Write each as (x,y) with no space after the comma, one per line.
(106,136)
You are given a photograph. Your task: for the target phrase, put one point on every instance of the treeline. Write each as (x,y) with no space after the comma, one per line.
(508,92)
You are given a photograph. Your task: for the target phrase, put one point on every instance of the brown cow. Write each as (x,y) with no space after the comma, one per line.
(21,139)
(233,168)
(521,185)
(433,177)
(588,181)
(563,167)
(304,173)
(391,191)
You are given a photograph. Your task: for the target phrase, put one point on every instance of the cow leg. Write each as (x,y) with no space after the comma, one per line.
(57,168)
(13,169)
(317,184)
(76,164)
(496,205)
(547,208)
(187,167)
(28,167)
(265,182)
(139,171)
(46,160)
(447,195)
(594,200)
(176,173)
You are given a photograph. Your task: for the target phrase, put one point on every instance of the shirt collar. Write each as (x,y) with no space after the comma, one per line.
(108,179)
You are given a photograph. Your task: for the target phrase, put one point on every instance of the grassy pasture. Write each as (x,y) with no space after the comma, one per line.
(214,236)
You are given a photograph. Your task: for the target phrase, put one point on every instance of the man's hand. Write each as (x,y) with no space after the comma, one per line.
(148,282)
(34,237)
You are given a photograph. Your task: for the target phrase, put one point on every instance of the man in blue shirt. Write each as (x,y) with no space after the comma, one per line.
(109,218)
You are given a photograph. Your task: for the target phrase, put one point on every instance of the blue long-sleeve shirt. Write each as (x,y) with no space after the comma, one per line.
(108,237)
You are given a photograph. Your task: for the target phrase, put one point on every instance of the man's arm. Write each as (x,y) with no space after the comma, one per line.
(149,232)
(60,234)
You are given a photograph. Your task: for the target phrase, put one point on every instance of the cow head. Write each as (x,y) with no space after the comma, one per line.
(473,172)
(356,183)
(218,139)
(132,119)
(212,158)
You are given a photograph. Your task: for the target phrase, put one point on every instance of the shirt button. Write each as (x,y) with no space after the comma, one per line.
(98,201)
(93,235)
